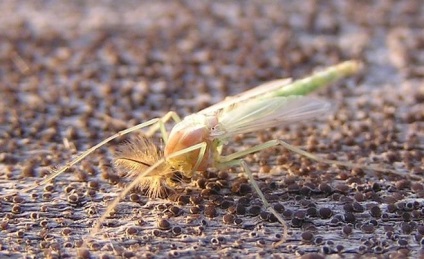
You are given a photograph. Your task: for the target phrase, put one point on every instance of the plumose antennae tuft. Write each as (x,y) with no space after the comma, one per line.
(136,157)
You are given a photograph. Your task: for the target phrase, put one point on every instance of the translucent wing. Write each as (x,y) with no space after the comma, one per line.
(252,93)
(268,112)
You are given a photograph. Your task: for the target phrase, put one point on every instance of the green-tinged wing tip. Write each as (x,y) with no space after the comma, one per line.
(319,79)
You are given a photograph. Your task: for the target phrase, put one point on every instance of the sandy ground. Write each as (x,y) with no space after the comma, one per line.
(76,72)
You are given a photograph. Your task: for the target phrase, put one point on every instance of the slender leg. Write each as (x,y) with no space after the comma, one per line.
(272,143)
(155,124)
(161,125)
(265,202)
(342,163)
(200,157)
(243,153)
(139,178)
(234,159)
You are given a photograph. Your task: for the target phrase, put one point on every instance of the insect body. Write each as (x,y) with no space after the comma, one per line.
(196,142)
(272,104)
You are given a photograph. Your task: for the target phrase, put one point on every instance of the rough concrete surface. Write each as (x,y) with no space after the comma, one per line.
(75,72)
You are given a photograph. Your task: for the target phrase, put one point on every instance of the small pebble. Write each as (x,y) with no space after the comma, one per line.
(325,213)
(163,224)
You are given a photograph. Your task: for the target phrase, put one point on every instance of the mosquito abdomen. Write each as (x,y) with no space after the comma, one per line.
(319,79)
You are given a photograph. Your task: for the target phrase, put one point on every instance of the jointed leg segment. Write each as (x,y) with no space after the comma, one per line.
(342,163)
(273,143)
(139,178)
(264,200)
(234,159)
(155,124)
(161,125)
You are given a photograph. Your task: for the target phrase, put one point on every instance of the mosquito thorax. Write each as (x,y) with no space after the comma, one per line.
(192,130)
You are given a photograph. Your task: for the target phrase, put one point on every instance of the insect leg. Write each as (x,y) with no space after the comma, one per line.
(342,163)
(265,202)
(68,165)
(161,125)
(201,155)
(311,156)
(138,179)
(243,153)
(242,163)
(122,194)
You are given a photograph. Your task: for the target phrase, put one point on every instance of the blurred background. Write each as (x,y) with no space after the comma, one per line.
(75,72)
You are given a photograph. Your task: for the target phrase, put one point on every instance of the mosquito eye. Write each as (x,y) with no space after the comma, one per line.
(215,128)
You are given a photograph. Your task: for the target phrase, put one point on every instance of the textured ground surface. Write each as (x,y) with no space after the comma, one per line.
(72,74)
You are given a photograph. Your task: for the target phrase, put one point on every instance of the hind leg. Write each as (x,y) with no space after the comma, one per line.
(273,143)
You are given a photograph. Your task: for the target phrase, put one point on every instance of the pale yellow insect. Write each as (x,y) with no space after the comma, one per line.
(195,143)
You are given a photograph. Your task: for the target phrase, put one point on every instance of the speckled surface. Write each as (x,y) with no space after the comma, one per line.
(72,74)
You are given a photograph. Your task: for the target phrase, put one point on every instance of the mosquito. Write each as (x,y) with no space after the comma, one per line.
(196,142)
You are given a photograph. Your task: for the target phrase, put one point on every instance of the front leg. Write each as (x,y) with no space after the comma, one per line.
(154,124)
(160,125)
